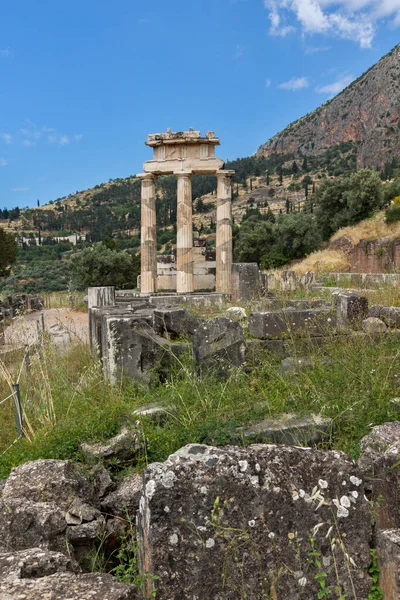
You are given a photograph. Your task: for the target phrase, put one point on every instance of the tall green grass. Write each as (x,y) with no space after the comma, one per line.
(353,381)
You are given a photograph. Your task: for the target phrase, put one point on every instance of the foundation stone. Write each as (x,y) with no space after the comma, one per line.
(228,523)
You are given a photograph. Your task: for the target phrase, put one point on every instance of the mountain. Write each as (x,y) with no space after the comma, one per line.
(366,113)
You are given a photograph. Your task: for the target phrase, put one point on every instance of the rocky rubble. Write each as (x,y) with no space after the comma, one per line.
(222,523)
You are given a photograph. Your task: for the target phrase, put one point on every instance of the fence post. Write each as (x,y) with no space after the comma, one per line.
(18,409)
(28,372)
(42,318)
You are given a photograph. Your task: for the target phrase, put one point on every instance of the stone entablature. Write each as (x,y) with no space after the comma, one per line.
(182,151)
(183,154)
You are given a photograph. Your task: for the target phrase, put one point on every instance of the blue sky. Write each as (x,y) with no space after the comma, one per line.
(82,83)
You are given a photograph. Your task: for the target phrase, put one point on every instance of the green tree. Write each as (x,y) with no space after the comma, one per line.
(8,250)
(100,265)
(364,195)
(297,235)
(342,202)
(253,239)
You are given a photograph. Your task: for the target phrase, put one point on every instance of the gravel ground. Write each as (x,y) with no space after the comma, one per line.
(23,330)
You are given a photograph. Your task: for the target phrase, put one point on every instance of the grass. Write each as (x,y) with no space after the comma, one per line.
(334,261)
(67,400)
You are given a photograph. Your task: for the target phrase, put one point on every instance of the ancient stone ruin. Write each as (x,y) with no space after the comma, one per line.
(266,521)
(183,154)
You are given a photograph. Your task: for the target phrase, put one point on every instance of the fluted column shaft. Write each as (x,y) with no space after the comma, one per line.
(184,234)
(148,246)
(223,282)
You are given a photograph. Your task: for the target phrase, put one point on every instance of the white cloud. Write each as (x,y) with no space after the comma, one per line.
(3,162)
(295,84)
(64,140)
(19,189)
(337,86)
(275,18)
(33,133)
(239,51)
(347,19)
(6,137)
(27,143)
(268,83)
(316,49)
(6,52)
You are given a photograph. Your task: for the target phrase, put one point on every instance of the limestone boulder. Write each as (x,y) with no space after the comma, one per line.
(219,344)
(291,429)
(155,412)
(47,502)
(236,313)
(34,563)
(63,586)
(228,523)
(26,524)
(175,322)
(49,480)
(388,553)
(380,464)
(288,281)
(390,315)
(291,323)
(121,450)
(351,310)
(124,501)
(307,279)
(373,325)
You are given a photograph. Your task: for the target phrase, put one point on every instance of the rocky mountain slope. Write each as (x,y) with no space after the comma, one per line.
(367,112)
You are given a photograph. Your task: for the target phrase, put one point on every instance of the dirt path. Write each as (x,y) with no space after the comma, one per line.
(23,330)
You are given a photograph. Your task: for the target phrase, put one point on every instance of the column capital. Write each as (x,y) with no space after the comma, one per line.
(224,173)
(146,176)
(183,173)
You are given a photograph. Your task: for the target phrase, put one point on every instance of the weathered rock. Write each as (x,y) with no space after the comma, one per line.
(236,313)
(291,429)
(245,284)
(49,480)
(373,325)
(33,563)
(351,310)
(288,281)
(155,412)
(45,502)
(307,279)
(218,344)
(132,352)
(272,282)
(102,482)
(124,502)
(380,464)
(297,323)
(233,523)
(390,315)
(175,322)
(388,553)
(309,303)
(122,449)
(25,524)
(101,296)
(68,586)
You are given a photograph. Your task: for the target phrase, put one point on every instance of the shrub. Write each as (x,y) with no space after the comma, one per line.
(393,214)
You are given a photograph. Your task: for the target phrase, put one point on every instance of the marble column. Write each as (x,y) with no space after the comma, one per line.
(224,232)
(184,234)
(148,247)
